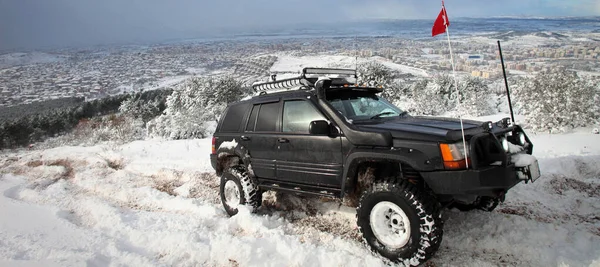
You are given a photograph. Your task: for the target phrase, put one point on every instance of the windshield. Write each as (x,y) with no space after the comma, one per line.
(364,107)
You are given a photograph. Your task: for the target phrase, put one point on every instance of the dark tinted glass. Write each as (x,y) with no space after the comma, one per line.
(252,119)
(297,116)
(233,118)
(267,117)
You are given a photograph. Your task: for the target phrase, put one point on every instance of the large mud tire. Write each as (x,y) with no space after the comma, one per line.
(238,188)
(400,222)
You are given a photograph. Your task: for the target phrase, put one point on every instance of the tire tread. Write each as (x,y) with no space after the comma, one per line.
(430,239)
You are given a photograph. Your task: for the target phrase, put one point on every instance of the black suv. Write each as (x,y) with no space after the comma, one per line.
(331,137)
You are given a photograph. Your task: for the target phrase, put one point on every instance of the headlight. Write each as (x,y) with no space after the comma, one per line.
(504,143)
(460,147)
(521,138)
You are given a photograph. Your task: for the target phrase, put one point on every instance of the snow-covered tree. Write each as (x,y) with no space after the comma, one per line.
(476,97)
(195,105)
(425,98)
(138,108)
(556,102)
(433,97)
(439,96)
(375,74)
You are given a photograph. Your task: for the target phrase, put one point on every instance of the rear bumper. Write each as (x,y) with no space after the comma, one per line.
(492,181)
(213,161)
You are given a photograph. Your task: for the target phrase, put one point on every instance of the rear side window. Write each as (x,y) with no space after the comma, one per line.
(252,119)
(267,117)
(233,118)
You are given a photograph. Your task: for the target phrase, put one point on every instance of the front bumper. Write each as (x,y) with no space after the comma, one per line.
(494,169)
(492,181)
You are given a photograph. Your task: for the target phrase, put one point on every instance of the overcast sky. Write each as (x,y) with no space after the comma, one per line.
(39,23)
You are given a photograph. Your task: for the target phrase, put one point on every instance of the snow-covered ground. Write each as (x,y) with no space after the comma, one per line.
(17,59)
(155,203)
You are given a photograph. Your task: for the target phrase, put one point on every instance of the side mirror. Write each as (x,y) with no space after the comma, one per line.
(319,127)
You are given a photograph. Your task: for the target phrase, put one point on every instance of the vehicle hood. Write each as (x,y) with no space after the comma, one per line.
(424,128)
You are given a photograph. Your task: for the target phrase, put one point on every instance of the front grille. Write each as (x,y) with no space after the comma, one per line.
(486,150)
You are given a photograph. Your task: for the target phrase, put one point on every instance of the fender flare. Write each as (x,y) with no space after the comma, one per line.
(358,157)
(232,149)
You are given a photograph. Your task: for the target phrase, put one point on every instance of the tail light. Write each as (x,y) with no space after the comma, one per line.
(214,143)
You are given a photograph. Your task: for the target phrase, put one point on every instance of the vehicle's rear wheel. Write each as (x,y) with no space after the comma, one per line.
(238,188)
(400,222)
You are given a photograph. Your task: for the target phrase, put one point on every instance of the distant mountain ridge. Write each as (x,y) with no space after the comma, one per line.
(409,28)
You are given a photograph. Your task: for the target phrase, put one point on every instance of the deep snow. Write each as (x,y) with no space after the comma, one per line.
(155,203)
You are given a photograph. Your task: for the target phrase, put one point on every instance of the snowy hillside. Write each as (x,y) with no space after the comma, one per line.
(286,63)
(155,203)
(18,59)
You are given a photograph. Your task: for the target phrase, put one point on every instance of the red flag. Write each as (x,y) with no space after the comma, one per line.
(440,24)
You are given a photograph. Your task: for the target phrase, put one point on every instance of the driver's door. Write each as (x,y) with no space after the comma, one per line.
(304,158)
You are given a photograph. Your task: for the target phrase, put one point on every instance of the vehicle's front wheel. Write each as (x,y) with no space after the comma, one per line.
(238,188)
(400,222)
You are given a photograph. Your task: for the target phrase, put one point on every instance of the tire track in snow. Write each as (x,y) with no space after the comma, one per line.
(125,208)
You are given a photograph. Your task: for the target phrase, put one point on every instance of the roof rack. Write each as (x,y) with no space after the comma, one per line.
(308,78)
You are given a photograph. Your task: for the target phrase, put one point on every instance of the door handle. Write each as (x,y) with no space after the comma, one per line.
(245,138)
(283,140)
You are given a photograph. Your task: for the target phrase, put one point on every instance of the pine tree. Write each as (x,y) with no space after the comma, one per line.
(195,105)
(557,102)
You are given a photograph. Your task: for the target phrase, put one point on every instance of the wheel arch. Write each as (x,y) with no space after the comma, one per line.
(232,154)
(381,166)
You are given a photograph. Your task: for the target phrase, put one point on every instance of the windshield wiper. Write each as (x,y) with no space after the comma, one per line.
(378,116)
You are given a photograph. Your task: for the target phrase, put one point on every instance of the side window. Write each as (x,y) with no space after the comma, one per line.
(297,116)
(267,117)
(252,119)
(233,118)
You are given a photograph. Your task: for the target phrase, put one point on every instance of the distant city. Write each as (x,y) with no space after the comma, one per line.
(97,72)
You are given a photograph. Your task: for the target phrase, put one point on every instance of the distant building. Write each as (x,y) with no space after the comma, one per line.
(478,57)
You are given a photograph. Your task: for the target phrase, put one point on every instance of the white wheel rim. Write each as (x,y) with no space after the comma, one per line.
(232,194)
(390,225)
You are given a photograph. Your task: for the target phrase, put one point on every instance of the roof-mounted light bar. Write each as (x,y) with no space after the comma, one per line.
(348,72)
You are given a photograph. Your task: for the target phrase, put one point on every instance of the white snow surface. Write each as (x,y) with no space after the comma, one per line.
(228,144)
(18,59)
(512,148)
(523,160)
(155,203)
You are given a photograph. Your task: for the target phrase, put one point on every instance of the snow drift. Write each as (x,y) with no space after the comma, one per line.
(155,203)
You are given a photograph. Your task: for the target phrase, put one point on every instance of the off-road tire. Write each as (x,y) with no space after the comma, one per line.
(249,193)
(422,210)
(482,203)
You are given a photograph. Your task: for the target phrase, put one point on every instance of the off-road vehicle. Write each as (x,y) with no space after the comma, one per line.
(328,136)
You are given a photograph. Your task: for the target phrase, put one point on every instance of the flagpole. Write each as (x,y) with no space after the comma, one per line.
(462,128)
